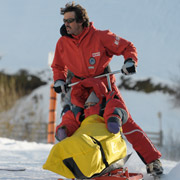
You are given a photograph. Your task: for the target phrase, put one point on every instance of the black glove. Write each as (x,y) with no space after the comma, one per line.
(129,67)
(59,86)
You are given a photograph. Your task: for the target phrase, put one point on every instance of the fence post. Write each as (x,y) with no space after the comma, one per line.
(160,129)
(161,138)
(52,116)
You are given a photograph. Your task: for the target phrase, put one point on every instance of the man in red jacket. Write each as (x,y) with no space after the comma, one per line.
(86,52)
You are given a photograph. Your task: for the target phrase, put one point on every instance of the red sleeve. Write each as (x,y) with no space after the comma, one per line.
(70,122)
(116,45)
(112,106)
(58,67)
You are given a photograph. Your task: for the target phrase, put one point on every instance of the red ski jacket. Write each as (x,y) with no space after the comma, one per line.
(88,54)
(108,102)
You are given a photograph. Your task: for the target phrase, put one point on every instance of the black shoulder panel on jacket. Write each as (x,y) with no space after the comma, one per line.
(63,31)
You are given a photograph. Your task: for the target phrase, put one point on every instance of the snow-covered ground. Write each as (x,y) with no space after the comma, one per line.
(31,156)
(143,107)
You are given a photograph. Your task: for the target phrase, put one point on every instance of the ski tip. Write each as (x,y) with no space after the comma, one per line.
(12,169)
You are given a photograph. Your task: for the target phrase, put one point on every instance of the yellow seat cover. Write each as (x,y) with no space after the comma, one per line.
(82,152)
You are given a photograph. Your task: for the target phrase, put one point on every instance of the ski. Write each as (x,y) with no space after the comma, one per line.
(12,169)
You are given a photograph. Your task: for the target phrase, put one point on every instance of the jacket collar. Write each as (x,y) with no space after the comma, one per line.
(63,31)
(79,37)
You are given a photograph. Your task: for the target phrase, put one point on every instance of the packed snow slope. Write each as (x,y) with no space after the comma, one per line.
(22,154)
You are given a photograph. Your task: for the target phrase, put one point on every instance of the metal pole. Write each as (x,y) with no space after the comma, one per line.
(103,75)
(109,83)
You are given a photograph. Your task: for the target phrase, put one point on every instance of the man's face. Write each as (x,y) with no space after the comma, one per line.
(72,26)
(89,104)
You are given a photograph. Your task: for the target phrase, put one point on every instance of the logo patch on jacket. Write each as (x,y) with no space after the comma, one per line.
(92,61)
(96,54)
(116,42)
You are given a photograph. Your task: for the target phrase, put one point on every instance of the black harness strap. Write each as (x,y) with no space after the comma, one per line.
(102,107)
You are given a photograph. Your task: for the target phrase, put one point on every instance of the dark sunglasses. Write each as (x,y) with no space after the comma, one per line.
(70,20)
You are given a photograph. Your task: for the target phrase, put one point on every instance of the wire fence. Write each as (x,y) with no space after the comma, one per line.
(27,131)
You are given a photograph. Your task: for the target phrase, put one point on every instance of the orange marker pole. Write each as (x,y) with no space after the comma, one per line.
(52,116)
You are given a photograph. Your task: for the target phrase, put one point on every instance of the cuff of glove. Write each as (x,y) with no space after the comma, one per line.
(129,60)
(59,86)
(129,67)
(114,124)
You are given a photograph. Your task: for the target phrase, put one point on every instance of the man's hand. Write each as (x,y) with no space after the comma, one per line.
(59,86)
(129,67)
